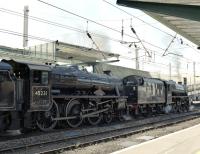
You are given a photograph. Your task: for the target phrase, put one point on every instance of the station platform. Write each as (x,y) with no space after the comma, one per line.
(186,141)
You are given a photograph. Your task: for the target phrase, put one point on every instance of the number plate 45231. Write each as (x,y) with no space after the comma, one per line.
(41,93)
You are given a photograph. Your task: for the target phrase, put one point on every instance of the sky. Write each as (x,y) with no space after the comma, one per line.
(156,41)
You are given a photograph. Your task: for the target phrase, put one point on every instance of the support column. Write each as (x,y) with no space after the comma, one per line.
(170,71)
(25,28)
(194,73)
(136,59)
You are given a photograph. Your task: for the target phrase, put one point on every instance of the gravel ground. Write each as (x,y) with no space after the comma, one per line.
(120,143)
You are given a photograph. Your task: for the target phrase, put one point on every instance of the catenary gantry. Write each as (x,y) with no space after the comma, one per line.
(182,16)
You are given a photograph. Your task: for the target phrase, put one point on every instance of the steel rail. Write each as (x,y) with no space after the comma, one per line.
(89,136)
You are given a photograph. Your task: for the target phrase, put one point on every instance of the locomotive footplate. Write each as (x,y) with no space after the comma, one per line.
(86,96)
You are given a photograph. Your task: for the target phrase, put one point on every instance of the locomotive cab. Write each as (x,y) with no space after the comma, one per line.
(131,84)
(32,85)
(25,92)
(7,87)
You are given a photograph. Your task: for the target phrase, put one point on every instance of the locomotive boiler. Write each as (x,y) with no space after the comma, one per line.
(73,81)
(83,96)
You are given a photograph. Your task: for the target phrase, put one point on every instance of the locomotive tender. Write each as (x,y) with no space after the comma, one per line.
(43,96)
(148,95)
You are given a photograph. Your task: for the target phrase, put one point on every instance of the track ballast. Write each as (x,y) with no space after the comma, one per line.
(59,140)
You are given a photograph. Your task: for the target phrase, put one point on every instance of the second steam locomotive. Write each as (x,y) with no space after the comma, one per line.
(45,97)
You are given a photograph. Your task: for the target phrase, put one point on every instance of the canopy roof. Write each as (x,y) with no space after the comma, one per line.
(70,51)
(182,16)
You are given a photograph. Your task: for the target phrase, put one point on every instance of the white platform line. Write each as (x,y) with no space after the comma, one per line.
(153,140)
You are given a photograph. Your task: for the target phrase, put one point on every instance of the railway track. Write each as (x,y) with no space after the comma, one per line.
(56,141)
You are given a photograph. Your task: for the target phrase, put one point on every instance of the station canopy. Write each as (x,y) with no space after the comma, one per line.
(84,54)
(58,52)
(182,16)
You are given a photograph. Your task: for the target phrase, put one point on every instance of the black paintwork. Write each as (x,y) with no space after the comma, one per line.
(27,88)
(65,78)
(141,90)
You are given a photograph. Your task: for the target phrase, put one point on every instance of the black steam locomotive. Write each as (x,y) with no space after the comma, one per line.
(150,95)
(42,96)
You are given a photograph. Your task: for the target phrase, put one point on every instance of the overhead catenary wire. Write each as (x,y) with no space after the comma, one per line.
(87,19)
(136,17)
(47,40)
(30,36)
(58,24)
(55,24)
(169,56)
(67,27)
(166,50)
(93,42)
(142,21)
(134,32)
(22,35)
(90,20)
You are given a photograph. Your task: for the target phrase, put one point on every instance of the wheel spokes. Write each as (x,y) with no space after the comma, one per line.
(73,109)
(45,120)
(95,120)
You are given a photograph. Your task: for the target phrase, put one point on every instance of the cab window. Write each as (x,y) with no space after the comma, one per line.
(40,77)
(45,78)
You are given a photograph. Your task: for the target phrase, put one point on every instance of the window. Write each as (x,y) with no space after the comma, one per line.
(40,77)
(45,78)
(37,77)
